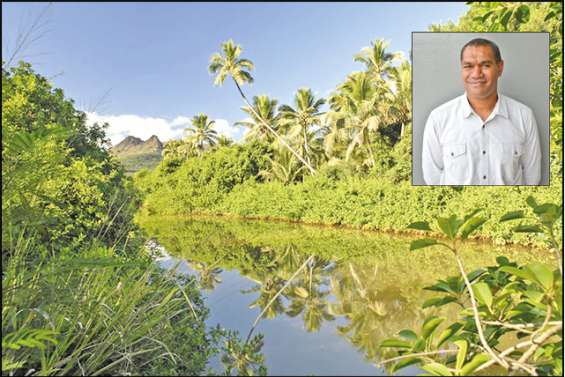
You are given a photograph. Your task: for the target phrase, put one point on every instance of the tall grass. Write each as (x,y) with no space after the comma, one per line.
(98,314)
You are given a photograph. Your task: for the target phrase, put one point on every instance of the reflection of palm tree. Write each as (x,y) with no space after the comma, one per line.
(375,307)
(268,288)
(308,298)
(208,274)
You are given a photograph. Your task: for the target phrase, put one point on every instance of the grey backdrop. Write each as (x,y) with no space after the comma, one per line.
(436,80)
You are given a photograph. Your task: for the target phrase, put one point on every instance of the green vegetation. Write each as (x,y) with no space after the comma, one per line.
(135,162)
(80,293)
(351,164)
(525,302)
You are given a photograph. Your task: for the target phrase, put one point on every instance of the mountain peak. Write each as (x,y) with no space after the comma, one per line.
(134,145)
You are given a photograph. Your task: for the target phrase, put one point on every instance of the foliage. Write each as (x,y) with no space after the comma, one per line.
(506,301)
(58,180)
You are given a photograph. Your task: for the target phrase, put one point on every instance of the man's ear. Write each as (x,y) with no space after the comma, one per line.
(500,67)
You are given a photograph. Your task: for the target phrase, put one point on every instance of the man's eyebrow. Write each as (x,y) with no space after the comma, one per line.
(465,62)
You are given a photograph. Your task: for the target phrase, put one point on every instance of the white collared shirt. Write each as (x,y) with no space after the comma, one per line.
(460,149)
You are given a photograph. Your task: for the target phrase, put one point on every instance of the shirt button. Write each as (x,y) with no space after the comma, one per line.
(483,126)
(452,153)
(484,177)
(484,152)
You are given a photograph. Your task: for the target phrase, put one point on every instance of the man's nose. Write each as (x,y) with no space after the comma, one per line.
(477,71)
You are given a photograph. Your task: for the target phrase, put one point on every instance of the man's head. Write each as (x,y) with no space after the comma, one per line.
(481,66)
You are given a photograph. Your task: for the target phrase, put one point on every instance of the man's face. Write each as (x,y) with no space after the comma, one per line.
(480,71)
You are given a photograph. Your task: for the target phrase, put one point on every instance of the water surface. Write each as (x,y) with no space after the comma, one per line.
(358,289)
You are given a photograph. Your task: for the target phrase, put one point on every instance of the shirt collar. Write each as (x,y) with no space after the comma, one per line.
(499,109)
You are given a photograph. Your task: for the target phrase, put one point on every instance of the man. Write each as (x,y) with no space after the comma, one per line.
(481,137)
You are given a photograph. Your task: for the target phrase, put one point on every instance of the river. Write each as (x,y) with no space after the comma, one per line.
(358,288)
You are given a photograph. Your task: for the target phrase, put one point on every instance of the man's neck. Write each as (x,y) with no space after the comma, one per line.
(483,106)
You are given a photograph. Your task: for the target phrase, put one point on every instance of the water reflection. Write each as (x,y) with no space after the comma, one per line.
(365,287)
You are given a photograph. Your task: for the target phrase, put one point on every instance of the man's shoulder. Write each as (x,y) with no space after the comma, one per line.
(447,107)
(513,104)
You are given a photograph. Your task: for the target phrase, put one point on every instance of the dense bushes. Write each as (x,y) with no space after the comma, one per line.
(58,180)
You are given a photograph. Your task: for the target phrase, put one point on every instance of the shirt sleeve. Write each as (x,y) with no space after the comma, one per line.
(432,159)
(531,157)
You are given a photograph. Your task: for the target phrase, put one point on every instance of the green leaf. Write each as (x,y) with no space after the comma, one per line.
(419,225)
(472,225)
(505,18)
(449,226)
(512,216)
(522,13)
(395,343)
(404,363)
(408,334)
(472,365)
(549,16)
(437,369)
(421,243)
(531,201)
(541,273)
(449,332)
(475,274)
(518,272)
(430,326)
(462,344)
(527,229)
(438,301)
(486,16)
(301,292)
(483,293)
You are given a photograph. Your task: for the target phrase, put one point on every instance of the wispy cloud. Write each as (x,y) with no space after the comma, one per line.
(144,127)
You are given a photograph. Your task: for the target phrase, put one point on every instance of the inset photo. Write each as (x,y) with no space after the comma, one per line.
(480,109)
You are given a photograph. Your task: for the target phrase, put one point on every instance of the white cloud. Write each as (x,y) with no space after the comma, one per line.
(144,127)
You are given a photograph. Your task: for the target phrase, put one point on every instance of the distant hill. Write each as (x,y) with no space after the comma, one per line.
(136,154)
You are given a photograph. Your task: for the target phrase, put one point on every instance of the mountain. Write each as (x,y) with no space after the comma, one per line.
(136,154)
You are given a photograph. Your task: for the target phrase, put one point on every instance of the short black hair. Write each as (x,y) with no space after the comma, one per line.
(483,42)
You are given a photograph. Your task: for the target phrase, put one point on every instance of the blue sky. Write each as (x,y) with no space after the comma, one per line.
(143,66)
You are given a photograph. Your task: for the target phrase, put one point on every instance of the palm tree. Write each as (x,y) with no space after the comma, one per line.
(238,69)
(266,109)
(301,119)
(401,103)
(202,133)
(377,60)
(284,168)
(364,107)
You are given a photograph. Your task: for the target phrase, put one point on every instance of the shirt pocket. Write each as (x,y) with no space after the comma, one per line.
(454,152)
(457,168)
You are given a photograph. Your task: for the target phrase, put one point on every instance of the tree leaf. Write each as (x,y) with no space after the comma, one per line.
(438,301)
(395,343)
(408,334)
(405,362)
(430,325)
(483,293)
(505,18)
(462,344)
(472,365)
(301,292)
(421,243)
(531,201)
(512,215)
(448,226)
(549,16)
(541,273)
(420,225)
(527,229)
(437,369)
(518,272)
(522,13)
(472,225)
(448,333)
